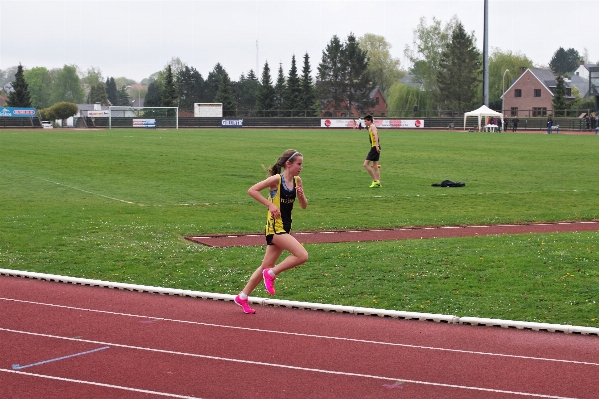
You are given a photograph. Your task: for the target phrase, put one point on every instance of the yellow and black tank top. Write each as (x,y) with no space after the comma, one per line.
(371,137)
(283,198)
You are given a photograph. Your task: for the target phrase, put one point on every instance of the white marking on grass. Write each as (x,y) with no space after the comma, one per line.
(89,192)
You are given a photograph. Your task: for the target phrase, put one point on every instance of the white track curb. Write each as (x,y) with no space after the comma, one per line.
(439,318)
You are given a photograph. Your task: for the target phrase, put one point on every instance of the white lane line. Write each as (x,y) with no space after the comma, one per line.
(286,366)
(307,335)
(170,395)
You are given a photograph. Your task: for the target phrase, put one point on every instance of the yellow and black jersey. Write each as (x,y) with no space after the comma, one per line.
(283,198)
(371,137)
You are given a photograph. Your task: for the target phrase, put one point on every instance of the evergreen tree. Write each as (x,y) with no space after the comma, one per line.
(153,97)
(246,91)
(111,91)
(225,96)
(357,81)
(266,96)
(122,96)
(292,99)
(343,75)
(189,87)
(308,95)
(169,91)
(97,94)
(212,83)
(564,61)
(280,90)
(459,72)
(20,96)
(559,97)
(331,79)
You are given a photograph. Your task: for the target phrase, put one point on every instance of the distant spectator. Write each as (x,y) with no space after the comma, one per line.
(587,121)
(506,124)
(515,124)
(549,124)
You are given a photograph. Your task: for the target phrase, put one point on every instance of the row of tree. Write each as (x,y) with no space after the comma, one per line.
(41,88)
(343,76)
(444,62)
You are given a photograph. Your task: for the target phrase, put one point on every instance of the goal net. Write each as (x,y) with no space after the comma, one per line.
(144,117)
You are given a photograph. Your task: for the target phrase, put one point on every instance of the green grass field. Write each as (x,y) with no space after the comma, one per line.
(115,205)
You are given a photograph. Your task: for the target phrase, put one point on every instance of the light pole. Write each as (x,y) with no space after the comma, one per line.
(138,95)
(503,89)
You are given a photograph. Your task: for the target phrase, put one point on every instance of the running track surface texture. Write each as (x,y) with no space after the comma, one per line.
(77,341)
(312,237)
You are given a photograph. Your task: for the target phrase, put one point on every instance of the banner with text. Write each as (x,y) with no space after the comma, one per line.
(98,114)
(379,123)
(18,112)
(231,123)
(144,122)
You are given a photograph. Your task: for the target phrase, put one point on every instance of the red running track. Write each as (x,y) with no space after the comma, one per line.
(69,341)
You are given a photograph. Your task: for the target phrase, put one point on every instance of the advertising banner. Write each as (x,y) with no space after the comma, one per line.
(144,122)
(231,123)
(399,123)
(379,123)
(98,114)
(18,112)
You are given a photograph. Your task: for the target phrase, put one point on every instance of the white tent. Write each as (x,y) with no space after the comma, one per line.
(483,111)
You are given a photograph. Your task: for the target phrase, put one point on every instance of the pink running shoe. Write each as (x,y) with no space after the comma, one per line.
(244,305)
(269,281)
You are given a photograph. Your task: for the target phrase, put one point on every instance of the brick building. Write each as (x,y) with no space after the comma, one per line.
(531,94)
(379,107)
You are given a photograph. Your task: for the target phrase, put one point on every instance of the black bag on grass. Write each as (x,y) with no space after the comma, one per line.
(448,183)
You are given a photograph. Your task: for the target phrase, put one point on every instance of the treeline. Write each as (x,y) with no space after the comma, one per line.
(445,72)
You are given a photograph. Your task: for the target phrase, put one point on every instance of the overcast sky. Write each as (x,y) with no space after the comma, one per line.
(135,38)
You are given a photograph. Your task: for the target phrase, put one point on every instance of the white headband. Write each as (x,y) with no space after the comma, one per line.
(294,154)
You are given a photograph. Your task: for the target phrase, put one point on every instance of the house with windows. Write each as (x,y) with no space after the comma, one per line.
(583,70)
(531,94)
(378,108)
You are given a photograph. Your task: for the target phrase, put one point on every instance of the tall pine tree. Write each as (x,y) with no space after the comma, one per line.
(357,81)
(343,75)
(224,95)
(169,91)
(559,97)
(308,95)
(153,97)
(331,75)
(280,90)
(266,95)
(111,91)
(459,75)
(292,100)
(20,96)
(212,83)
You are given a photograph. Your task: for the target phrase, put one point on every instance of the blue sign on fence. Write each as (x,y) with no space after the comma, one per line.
(232,123)
(18,112)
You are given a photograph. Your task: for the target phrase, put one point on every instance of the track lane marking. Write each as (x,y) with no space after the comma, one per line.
(285,366)
(100,384)
(307,335)
(19,367)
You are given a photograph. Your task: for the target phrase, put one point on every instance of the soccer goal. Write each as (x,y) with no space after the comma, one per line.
(144,117)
